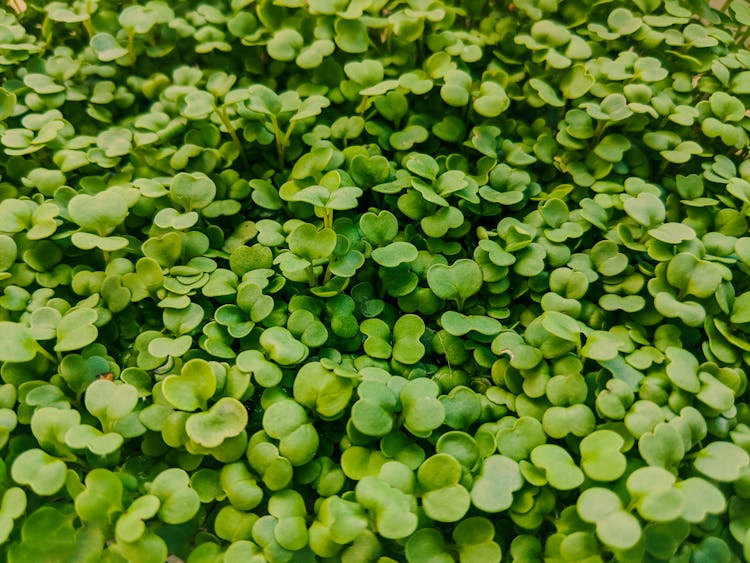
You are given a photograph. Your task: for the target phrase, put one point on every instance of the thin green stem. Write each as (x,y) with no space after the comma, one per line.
(363,105)
(445,351)
(131,47)
(600,127)
(743,37)
(311,279)
(47,355)
(279,140)
(47,34)
(285,142)
(89,27)
(460,304)
(222,113)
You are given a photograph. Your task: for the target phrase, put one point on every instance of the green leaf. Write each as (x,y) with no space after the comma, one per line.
(369,171)
(701,499)
(492,100)
(191,191)
(458,325)
(225,419)
(601,346)
(615,527)
(427,543)
(394,254)
(379,229)
(722,461)
(101,213)
(20,343)
(85,437)
(408,137)
(43,473)
(179,502)
(601,457)
(423,413)
(107,48)
(42,84)
(322,390)
(546,92)
(47,533)
(13,506)
(311,243)
(130,525)
(192,387)
(102,498)
(109,401)
(372,414)
(367,71)
(456,282)
(282,347)
(445,500)
(694,276)
(7,103)
(682,369)
(576,82)
(351,35)
(498,479)
(76,330)
(562,473)
(285,44)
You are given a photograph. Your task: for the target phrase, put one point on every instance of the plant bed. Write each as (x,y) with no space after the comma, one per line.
(372,280)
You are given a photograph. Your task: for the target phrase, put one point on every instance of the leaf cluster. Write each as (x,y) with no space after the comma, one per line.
(374,280)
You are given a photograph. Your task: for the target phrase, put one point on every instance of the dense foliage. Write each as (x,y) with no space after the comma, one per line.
(358,280)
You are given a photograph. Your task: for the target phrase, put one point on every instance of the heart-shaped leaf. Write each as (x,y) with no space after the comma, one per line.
(85,437)
(192,387)
(43,473)
(312,244)
(191,191)
(601,457)
(456,282)
(100,213)
(722,461)
(498,479)
(225,419)
(179,502)
(20,343)
(76,330)
(394,254)
(562,473)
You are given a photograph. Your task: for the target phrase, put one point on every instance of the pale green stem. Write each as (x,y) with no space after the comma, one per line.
(221,112)
(311,279)
(131,47)
(363,105)
(47,355)
(89,27)
(600,127)
(285,142)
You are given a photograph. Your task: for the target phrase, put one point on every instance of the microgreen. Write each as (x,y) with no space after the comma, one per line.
(364,280)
